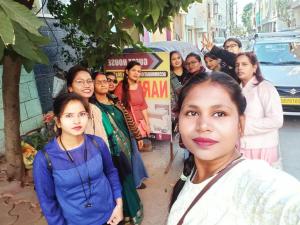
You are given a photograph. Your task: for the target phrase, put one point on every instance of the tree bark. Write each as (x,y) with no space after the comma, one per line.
(11,107)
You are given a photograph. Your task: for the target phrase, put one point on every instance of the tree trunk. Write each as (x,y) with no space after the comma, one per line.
(11,107)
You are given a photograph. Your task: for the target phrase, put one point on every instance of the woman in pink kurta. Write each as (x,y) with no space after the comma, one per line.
(131,94)
(264,114)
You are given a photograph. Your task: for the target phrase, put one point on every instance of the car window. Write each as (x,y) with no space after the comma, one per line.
(278,53)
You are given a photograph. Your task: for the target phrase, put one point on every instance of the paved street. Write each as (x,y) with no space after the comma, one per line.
(290,145)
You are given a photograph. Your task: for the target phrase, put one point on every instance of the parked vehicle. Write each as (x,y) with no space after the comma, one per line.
(279,57)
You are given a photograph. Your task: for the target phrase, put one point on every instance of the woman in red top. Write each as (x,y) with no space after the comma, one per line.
(131,94)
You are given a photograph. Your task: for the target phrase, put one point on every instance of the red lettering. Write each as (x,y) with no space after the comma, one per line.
(163,88)
(154,90)
(146,88)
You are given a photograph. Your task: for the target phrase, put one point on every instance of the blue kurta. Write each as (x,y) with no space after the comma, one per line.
(60,194)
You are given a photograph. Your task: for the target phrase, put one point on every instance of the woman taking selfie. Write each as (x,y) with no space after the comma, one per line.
(218,186)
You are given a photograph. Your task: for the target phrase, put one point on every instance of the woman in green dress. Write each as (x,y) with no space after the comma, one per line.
(118,125)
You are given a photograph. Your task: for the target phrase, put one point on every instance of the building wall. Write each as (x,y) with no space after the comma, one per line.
(44,73)
(30,106)
(221,19)
(196,23)
(296,14)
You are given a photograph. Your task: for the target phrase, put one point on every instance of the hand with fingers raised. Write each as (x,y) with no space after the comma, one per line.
(206,43)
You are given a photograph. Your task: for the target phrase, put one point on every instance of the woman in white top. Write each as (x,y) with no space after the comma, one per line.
(263,113)
(249,192)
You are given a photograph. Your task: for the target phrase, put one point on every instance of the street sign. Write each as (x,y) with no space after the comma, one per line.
(147,60)
(155,81)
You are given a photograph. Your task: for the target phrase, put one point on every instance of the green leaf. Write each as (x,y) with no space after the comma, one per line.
(155,14)
(20,14)
(38,39)
(43,58)
(28,65)
(24,46)
(6,28)
(2,48)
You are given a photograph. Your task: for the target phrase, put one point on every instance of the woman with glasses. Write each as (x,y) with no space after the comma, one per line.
(75,179)
(79,81)
(232,46)
(112,81)
(193,65)
(119,127)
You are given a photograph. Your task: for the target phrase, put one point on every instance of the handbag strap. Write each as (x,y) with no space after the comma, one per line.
(207,186)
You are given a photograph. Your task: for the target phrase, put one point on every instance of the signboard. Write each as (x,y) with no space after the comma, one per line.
(155,80)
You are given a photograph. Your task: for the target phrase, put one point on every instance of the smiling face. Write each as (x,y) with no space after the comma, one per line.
(176,60)
(244,69)
(134,73)
(82,84)
(73,120)
(112,82)
(209,122)
(212,64)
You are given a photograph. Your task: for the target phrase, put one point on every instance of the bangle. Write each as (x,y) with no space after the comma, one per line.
(183,177)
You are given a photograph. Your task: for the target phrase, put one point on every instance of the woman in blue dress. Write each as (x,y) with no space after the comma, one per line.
(75,179)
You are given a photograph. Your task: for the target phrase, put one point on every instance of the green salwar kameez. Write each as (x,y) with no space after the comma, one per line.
(120,147)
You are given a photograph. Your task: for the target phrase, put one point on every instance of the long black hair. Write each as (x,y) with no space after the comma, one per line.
(182,60)
(125,84)
(235,93)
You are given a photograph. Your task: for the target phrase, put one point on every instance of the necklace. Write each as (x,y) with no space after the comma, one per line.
(88,203)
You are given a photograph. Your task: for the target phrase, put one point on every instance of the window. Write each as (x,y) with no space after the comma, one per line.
(215,8)
(278,53)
